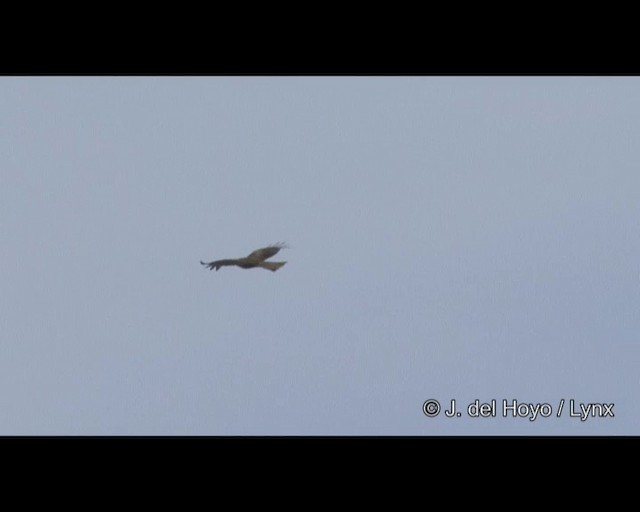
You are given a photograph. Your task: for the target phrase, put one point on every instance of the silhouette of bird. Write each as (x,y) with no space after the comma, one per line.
(255,259)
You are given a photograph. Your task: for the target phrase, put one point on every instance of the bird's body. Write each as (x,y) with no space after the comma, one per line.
(255,259)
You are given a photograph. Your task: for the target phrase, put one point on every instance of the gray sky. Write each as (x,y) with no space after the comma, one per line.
(451,238)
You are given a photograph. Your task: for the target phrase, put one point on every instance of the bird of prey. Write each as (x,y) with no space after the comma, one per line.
(255,259)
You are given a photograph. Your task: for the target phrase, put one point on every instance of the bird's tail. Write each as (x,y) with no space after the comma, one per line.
(272,265)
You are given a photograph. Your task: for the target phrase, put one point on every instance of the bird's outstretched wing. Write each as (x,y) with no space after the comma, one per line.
(259,255)
(220,263)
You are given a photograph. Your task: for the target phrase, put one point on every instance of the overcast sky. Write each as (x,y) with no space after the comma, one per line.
(450,238)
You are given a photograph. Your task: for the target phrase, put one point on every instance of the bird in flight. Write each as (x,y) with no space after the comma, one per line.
(255,259)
